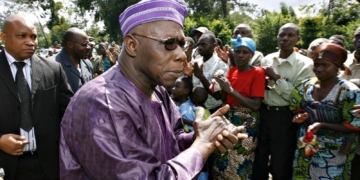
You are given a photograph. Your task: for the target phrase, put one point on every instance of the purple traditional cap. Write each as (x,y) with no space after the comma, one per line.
(152,10)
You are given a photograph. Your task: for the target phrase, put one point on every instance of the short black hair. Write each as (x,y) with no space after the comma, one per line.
(104,45)
(293,25)
(338,39)
(245,26)
(187,83)
(211,36)
(219,42)
(200,95)
(66,37)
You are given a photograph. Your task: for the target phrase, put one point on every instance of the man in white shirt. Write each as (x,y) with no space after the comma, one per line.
(206,66)
(197,34)
(277,132)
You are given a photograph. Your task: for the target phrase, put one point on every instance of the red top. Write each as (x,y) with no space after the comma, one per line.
(250,83)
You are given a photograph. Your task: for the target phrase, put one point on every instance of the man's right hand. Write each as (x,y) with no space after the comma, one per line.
(13,144)
(215,133)
(188,68)
(271,72)
(198,70)
(223,53)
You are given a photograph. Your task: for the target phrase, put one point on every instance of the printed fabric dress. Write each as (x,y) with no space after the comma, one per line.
(237,163)
(336,108)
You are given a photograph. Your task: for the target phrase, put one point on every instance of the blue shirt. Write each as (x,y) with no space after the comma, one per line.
(107,64)
(187,112)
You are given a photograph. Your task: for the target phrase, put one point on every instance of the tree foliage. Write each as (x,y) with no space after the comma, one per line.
(333,17)
(218,9)
(107,11)
(221,16)
(38,6)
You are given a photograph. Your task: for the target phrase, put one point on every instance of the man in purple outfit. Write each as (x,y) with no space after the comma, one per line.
(123,124)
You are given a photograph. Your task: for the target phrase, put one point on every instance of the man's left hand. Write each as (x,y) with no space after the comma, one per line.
(228,138)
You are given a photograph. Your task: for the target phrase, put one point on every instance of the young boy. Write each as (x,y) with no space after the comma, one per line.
(198,98)
(180,94)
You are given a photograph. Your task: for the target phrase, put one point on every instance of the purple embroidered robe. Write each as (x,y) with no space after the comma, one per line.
(110,130)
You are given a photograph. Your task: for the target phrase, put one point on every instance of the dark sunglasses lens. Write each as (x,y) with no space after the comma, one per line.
(170,44)
(182,44)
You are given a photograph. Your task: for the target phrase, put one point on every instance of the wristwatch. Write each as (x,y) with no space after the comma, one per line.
(2,173)
(279,81)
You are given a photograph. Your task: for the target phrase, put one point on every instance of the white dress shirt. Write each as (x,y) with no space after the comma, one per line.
(209,69)
(29,136)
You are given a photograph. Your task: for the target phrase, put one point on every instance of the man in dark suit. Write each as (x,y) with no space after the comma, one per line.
(78,69)
(34,94)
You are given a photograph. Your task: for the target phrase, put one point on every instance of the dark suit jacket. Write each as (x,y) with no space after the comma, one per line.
(50,97)
(75,79)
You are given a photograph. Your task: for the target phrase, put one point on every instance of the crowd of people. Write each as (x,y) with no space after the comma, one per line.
(166,106)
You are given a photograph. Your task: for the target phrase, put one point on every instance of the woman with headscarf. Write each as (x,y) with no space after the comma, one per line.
(243,89)
(323,107)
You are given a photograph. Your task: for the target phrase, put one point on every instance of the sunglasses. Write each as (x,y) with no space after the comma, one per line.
(85,44)
(169,43)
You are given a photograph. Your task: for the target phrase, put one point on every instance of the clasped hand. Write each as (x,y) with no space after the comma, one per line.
(223,83)
(271,72)
(216,132)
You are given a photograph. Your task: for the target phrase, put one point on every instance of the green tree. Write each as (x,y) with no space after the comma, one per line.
(54,8)
(98,34)
(57,31)
(333,17)
(310,28)
(267,27)
(218,9)
(27,6)
(109,12)
(220,28)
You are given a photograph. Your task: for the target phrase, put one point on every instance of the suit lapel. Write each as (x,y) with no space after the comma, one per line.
(6,75)
(37,72)
(69,63)
(83,69)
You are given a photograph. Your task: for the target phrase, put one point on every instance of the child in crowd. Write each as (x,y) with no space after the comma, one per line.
(198,98)
(180,94)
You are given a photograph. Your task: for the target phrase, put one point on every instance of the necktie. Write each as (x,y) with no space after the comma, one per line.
(25,97)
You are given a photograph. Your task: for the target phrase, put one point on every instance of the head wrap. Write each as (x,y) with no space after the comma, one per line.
(331,52)
(152,10)
(244,41)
